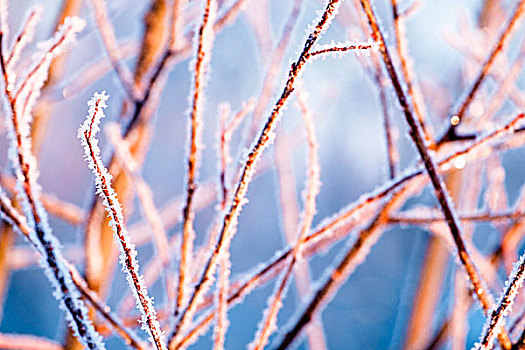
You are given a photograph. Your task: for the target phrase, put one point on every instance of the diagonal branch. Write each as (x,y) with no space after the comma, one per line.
(87,133)
(444,199)
(496,50)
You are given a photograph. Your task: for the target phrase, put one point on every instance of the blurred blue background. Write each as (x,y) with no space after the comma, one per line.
(372,308)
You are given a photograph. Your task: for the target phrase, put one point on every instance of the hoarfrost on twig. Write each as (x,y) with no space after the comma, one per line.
(87,133)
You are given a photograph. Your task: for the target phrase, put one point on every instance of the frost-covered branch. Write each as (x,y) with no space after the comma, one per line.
(342,48)
(143,190)
(25,36)
(413,90)
(335,276)
(273,70)
(87,133)
(226,129)
(14,218)
(496,318)
(204,42)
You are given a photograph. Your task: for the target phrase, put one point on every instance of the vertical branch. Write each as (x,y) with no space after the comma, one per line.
(273,69)
(155,34)
(24,37)
(413,91)
(461,307)
(393,156)
(204,41)
(100,259)
(445,202)
(226,129)
(291,219)
(223,285)
(87,133)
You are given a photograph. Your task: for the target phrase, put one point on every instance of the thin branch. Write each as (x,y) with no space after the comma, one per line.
(25,36)
(273,70)
(87,133)
(109,41)
(413,91)
(496,50)
(204,41)
(433,216)
(269,323)
(334,277)
(128,336)
(336,227)
(145,194)
(496,319)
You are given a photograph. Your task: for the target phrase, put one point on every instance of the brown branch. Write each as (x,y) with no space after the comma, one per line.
(24,163)
(413,91)
(445,202)
(128,252)
(204,39)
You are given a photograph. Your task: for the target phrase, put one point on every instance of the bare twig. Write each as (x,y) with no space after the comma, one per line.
(204,40)
(87,134)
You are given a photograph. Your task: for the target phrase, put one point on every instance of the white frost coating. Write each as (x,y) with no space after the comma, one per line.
(10,214)
(87,133)
(266,137)
(223,286)
(268,323)
(496,317)
(312,186)
(338,50)
(199,66)
(4,26)
(24,166)
(26,36)
(33,80)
